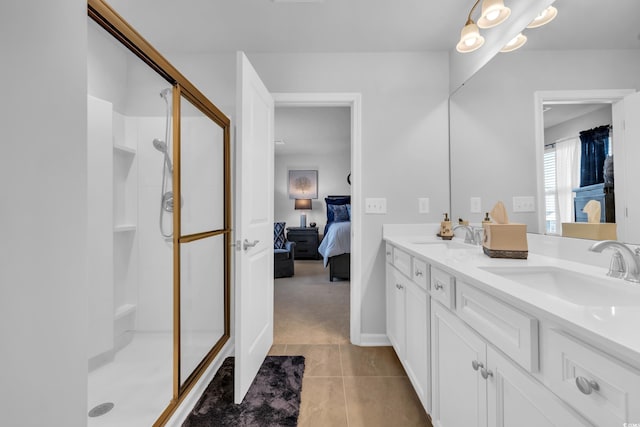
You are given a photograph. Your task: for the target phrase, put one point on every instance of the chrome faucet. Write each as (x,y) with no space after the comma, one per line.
(470,236)
(631,266)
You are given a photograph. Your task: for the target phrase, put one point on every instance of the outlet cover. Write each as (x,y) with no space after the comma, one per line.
(423,205)
(375,205)
(524,204)
(475,205)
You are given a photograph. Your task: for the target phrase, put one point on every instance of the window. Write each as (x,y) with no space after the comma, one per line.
(550,190)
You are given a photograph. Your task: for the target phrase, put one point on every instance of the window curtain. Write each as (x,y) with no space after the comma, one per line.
(567,178)
(594,149)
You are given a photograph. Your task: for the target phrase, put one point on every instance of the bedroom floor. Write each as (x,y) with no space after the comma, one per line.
(343,385)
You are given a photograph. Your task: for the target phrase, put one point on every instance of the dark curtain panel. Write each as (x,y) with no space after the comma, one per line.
(595,148)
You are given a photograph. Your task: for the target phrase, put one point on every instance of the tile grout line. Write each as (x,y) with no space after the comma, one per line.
(344,388)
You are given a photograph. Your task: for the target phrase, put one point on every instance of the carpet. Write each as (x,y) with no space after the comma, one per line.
(272,400)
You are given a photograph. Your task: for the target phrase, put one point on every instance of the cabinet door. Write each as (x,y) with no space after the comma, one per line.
(416,360)
(396,284)
(516,399)
(459,393)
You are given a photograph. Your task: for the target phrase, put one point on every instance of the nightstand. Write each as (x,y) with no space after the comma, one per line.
(307,241)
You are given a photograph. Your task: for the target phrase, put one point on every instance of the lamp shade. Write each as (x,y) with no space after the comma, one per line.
(515,43)
(303,204)
(544,17)
(494,12)
(470,38)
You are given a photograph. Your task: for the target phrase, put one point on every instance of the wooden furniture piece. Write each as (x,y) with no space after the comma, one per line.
(600,192)
(307,241)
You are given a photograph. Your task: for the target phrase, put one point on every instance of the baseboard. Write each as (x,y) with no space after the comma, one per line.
(181,413)
(374,340)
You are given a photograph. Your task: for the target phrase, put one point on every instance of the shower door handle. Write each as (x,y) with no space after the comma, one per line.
(247,244)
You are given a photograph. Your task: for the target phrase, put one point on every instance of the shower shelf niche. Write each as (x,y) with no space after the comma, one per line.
(124,149)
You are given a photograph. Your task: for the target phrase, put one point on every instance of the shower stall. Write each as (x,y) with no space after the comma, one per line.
(158,269)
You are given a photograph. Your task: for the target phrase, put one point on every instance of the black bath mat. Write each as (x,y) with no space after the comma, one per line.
(273,398)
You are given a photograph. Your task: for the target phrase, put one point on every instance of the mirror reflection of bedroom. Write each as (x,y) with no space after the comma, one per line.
(312,226)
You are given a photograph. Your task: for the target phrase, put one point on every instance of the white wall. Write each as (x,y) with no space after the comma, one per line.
(404,132)
(43,264)
(573,127)
(332,168)
(492,120)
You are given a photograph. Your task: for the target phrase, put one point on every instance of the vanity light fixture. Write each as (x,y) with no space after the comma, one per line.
(494,12)
(470,38)
(515,43)
(544,17)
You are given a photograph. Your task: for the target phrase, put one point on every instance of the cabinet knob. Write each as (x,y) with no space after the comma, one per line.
(486,373)
(437,285)
(476,365)
(418,272)
(586,386)
(388,253)
(399,286)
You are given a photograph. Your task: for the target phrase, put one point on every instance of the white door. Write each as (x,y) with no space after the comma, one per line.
(626,147)
(253,226)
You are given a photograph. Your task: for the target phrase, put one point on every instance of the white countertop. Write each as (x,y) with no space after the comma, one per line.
(615,329)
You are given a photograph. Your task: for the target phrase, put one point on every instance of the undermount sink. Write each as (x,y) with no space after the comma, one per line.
(573,287)
(443,244)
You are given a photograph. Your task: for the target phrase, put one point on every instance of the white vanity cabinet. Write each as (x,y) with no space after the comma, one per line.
(408,318)
(475,385)
(459,393)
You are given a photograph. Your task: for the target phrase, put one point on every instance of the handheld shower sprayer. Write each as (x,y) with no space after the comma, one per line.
(161,146)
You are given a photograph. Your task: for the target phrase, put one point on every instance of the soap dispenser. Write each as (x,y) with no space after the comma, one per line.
(446,231)
(486,219)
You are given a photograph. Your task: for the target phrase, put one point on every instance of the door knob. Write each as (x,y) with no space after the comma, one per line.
(246,244)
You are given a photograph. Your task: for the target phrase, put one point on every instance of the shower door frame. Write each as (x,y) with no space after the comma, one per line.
(105,16)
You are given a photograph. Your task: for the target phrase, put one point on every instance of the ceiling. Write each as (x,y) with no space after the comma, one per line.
(206,26)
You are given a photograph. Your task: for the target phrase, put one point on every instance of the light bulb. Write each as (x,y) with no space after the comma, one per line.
(491,16)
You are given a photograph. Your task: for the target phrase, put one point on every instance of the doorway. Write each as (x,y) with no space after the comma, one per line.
(353,102)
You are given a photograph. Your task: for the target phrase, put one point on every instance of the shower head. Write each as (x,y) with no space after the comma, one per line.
(160,145)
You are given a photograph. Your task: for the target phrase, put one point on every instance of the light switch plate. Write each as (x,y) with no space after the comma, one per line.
(475,205)
(524,204)
(423,205)
(376,205)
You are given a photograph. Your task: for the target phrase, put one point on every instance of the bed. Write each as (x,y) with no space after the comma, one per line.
(336,243)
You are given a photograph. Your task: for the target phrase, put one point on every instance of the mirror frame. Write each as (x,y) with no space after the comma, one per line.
(540,98)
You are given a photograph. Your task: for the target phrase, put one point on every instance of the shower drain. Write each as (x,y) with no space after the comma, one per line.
(101,409)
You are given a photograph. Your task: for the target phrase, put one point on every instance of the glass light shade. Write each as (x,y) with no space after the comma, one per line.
(515,43)
(544,17)
(494,12)
(302,204)
(470,38)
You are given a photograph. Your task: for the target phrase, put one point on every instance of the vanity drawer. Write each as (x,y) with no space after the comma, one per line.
(402,261)
(389,253)
(610,394)
(509,329)
(443,287)
(420,273)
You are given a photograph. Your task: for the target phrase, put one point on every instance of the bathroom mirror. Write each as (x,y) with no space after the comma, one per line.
(494,153)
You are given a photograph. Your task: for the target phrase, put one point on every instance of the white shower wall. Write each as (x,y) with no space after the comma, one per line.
(155,254)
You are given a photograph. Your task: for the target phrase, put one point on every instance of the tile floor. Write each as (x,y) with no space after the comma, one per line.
(343,385)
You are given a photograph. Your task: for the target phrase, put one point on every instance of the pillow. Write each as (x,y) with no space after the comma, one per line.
(335,201)
(339,213)
(278,235)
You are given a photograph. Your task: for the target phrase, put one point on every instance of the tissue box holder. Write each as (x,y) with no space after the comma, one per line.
(505,241)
